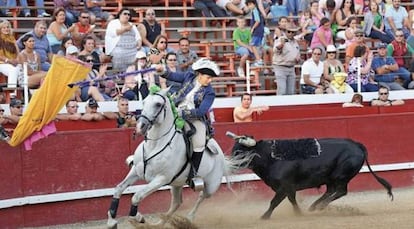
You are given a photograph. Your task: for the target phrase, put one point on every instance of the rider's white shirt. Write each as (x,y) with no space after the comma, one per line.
(188,102)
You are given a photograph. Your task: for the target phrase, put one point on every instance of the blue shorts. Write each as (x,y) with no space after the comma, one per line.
(243,51)
(306,89)
(256,41)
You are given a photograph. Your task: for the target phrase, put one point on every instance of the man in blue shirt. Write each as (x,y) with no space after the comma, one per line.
(387,70)
(41,45)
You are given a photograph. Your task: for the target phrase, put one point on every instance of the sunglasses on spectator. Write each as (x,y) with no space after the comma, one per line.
(384,93)
(399,35)
(74,106)
(331,52)
(126,13)
(85,17)
(90,61)
(290,31)
(18,107)
(317,53)
(162,42)
(150,13)
(359,35)
(172,59)
(1,110)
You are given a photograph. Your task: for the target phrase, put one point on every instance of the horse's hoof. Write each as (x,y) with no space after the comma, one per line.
(136,220)
(112,223)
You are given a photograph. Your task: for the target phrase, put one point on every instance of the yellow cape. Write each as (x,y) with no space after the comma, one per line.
(50,98)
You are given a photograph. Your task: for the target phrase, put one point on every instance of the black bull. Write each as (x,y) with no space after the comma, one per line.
(332,162)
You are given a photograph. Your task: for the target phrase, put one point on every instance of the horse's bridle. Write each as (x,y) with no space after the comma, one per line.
(158,113)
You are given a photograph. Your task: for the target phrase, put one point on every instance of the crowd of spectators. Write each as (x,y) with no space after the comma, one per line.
(325,26)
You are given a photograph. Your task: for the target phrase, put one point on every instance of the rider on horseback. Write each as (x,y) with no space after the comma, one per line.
(194,100)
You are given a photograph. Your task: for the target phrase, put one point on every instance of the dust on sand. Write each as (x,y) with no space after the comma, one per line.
(359,210)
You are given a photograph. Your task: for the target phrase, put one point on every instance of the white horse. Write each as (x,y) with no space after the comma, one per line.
(161,159)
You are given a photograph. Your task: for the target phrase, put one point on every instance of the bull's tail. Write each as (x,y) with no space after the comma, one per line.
(379,179)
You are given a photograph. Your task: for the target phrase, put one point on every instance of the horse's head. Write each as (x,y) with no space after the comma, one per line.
(153,110)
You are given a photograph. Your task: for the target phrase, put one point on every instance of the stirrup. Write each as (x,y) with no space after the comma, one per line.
(196,183)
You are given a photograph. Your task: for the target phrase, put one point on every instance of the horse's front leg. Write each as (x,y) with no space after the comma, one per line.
(130,179)
(134,215)
(176,199)
(193,211)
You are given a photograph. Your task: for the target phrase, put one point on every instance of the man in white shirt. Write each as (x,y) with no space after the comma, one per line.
(312,70)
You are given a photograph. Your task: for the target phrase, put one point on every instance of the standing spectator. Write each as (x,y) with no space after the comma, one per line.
(42,46)
(95,10)
(233,7)
(70,11)
(82,29)
(383,99)
(280,30)
(91,111)
(8,54)
(58,30)
(185,56)
(295,7)
(257,30)
(399,48)
(71,111)
(26,11)
(66,42)
(122,40)
(150,29)
(374,24)
(396,17)
(387,70)
(88,48)
(322,35)
(124,118)
(209,8)
(312,70)
(286,54)
(364,59)
(28,55)
(244,112)
(356,101)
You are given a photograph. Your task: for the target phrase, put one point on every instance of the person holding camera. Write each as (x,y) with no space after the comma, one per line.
(286,55)
(124,118)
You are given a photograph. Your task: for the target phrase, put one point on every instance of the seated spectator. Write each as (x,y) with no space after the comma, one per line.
(400,49)
(71,111)
(123,117)
(95,10)
(42,46)
(70,11)
(185,56)
(122,40)
(388,73)
(352,26)
(209,8)
(131,82)
(171,61)
(350,49)
(16,112)
(94,89)
(322,35)
(355,102)
(150,29)
(28,55)
(383,99)
(8,54)
(367,74)
(244,112)
(161,44)
(308,25)
(58,30)
(88,47)
(312,70)
(66,42)
(91,111)
(242,37)
(396,18)
(26,11)
(2,120)
(233,7)
(83,28)
(331,64)
(72,52)
(374,24)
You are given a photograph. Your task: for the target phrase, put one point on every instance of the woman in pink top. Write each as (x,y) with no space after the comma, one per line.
(322,35)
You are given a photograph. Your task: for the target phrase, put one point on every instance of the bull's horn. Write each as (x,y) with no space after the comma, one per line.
(248,141)
(231,135)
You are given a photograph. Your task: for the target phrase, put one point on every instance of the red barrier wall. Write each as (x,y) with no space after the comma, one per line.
(93,159)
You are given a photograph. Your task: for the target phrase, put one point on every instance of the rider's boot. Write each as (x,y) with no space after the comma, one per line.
(195,182)
(3,134)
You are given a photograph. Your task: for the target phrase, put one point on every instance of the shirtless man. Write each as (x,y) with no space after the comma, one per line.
(244,112)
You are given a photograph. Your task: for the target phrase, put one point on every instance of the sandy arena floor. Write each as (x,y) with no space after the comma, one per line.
(360,210)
